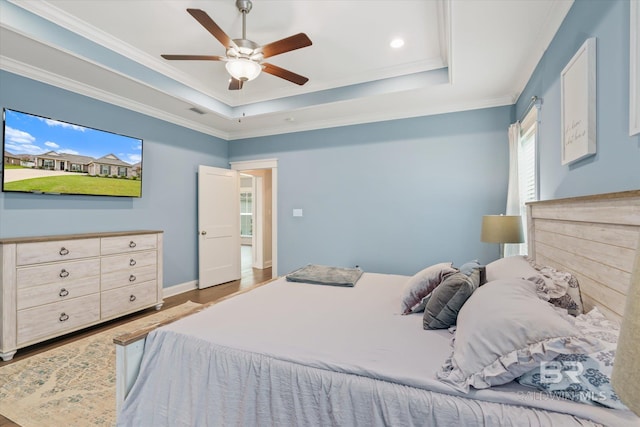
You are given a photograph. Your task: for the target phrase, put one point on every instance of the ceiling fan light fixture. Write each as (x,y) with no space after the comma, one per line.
(243,69)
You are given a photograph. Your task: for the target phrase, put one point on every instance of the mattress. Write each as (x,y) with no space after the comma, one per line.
(299,354)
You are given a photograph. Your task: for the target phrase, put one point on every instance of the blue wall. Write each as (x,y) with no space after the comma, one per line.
(171,156)
(616,164)
(393,196)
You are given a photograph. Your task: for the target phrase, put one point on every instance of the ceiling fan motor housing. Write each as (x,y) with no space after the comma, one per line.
(246,49)
(244,6)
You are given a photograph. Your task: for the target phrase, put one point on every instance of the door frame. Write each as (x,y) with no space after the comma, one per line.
(273,165)
(257,238)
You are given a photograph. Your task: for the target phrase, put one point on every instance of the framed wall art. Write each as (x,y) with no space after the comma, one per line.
(578,104)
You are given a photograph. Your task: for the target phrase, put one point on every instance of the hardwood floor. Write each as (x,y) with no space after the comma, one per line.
(250,276)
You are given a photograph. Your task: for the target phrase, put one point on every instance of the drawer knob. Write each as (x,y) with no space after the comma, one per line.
(132,278)
(132,244)
(64,273)
(64,251)
(63,292)
(132,262)
(132,298)
(63,317)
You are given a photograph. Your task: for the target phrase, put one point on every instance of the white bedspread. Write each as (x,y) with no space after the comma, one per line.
(290,354)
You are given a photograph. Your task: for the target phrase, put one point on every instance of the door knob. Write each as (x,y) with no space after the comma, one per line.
(203,232)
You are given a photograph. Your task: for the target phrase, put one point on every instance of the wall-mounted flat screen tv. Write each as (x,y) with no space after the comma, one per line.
(47,156)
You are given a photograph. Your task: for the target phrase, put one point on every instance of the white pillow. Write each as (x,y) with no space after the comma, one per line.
(505,330)
(422,284)
(511,267)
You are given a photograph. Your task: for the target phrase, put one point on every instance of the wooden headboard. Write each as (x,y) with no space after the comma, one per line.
(593,237)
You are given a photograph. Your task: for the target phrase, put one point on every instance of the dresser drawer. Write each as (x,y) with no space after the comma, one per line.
(131,298)
(59,273)
(39,252)
(53,292)
(117,279)
(54,319)
(124,244)
(128,261)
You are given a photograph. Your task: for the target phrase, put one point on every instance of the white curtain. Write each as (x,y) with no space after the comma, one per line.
(513,189)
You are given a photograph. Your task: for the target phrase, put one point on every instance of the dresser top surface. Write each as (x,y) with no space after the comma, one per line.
(35,239)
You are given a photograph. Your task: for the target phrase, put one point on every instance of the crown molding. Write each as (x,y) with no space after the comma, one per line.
(47,77)
(558,10)
(56,80)
(51,13)
(374,117)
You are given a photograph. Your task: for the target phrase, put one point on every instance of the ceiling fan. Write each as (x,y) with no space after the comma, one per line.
(243,56)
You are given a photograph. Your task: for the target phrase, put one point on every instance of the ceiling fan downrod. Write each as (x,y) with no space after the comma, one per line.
(244,6)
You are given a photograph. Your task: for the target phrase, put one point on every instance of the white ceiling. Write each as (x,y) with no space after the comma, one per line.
(458,55)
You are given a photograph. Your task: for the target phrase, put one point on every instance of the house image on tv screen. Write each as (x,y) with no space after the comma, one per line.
(108,165)
(12,159)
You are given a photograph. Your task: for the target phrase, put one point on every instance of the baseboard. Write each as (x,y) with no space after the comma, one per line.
(179,289)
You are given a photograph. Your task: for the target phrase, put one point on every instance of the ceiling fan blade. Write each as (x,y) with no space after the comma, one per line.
(235,84)
(297,41)
(217,32)
(194,57)
(284,74)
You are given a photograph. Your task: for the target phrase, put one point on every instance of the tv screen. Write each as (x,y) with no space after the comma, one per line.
(47,156)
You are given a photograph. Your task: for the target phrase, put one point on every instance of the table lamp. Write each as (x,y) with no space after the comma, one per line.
(626,366)
(502,229)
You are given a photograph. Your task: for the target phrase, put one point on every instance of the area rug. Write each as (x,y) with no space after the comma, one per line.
(72,385)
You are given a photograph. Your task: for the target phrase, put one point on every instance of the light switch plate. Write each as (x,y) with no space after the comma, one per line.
(297,212)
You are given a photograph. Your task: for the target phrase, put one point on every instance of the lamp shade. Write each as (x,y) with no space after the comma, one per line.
(626,367)
(502,229)
(243,69)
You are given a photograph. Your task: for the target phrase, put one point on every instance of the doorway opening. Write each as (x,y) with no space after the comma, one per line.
(255,225)
(258,218)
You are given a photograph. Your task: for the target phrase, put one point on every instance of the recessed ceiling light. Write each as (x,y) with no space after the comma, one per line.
(396,43)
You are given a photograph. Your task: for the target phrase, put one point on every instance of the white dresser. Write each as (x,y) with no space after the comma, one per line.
(52,285)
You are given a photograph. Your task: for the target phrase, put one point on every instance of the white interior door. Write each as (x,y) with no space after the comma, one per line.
(218,226)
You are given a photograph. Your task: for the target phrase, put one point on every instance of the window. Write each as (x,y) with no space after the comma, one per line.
(527,166)
(104,170)
(122,171)
(48,164)
(527,161)
(75,167)
(246,214)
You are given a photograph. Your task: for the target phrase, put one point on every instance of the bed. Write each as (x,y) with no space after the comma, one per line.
(290,353)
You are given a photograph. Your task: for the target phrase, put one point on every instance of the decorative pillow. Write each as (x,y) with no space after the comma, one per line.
(572,300)
(441,310)
(582,378)
(483,275)
(505,330)
(468,267)
(563,288)
(422,284)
